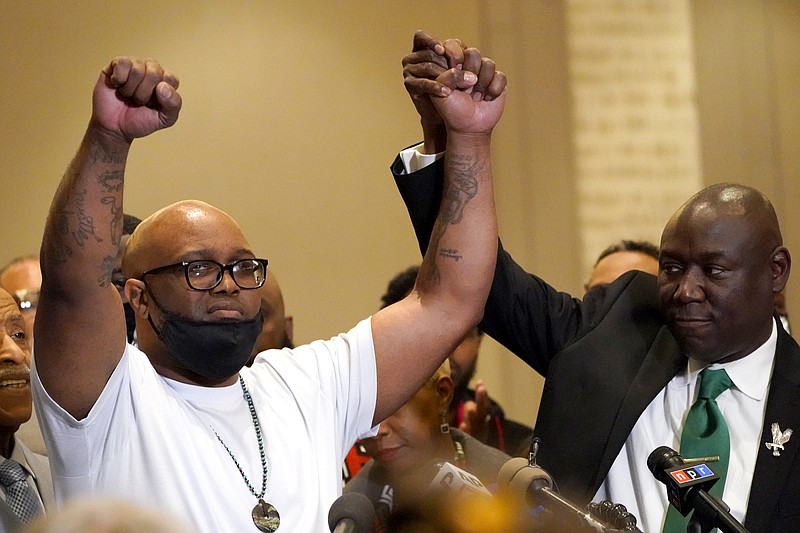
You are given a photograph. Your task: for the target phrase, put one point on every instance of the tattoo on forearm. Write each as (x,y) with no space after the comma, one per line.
(85,228)
(75,217)
(452,253)
(111,181)
(459,190)
(462,187)
(116,221)
(100,154)
(59,249)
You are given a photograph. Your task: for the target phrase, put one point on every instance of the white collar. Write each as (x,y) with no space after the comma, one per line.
(749,374)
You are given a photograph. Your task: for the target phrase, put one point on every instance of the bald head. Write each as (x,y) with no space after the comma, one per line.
(733,202)
(173,231)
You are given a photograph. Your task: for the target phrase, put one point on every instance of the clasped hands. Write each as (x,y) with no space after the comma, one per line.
(453,86)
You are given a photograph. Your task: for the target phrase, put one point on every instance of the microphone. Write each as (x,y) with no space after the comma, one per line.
(456,482)
(688,483)
(433,496)
(351,513)
(530,485)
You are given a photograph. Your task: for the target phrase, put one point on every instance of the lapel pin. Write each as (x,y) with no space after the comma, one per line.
(779,438)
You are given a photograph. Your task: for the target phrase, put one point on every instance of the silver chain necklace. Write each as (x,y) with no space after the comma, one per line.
(265,516)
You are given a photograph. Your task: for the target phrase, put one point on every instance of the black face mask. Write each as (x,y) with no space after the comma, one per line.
(214,350)
(130,320)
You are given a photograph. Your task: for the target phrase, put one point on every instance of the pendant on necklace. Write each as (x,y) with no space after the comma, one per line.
(266,517)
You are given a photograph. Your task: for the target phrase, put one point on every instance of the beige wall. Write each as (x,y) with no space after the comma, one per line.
(748,73)
(294,110)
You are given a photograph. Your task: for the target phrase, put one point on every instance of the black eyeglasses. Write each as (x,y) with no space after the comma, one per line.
(205,274)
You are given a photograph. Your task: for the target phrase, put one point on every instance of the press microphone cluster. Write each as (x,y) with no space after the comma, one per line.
(688,483)
(440,485)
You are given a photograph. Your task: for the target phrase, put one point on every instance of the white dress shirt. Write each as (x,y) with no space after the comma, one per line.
(631,483)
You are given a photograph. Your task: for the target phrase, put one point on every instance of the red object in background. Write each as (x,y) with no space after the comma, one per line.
(356,458)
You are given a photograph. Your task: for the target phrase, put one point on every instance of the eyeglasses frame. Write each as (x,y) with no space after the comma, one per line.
(223,268)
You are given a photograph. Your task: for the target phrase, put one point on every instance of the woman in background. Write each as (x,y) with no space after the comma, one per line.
(411,448)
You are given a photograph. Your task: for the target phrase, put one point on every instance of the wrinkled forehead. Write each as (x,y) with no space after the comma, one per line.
(9,310)
(703,234)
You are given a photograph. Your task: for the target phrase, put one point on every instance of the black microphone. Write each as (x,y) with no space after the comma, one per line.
(688,483)
(530,485)
(351,513)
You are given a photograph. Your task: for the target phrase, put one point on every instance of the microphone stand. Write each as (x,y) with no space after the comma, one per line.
(566,511)
(572,517)
(711,512)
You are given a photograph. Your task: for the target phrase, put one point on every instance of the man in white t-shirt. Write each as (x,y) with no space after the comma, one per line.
(178,423)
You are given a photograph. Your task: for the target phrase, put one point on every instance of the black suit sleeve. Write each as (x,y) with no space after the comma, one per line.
(422,193)
(525,314)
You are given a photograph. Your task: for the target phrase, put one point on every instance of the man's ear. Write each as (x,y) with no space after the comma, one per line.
(137,297)
(781,267)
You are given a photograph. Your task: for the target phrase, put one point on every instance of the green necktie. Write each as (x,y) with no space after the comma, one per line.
(705,433)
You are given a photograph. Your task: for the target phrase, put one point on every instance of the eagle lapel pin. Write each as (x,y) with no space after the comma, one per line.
(779,438)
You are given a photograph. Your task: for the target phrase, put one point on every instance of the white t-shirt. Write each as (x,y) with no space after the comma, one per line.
(149,439)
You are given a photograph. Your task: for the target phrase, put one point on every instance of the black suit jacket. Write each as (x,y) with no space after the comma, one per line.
(605,358)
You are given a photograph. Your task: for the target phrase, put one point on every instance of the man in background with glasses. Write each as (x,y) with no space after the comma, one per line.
(179,422)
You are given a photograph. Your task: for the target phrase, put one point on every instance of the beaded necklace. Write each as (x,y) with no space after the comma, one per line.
(265,516)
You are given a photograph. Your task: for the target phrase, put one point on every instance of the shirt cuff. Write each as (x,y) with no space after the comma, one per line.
(414,160)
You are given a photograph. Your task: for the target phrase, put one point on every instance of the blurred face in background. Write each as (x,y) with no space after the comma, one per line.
(22,281)
(277,330)
(614,265)
(464,359)
(411,437)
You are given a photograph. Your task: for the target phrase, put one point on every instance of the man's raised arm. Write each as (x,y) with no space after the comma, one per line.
(80,325)
(414,336)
